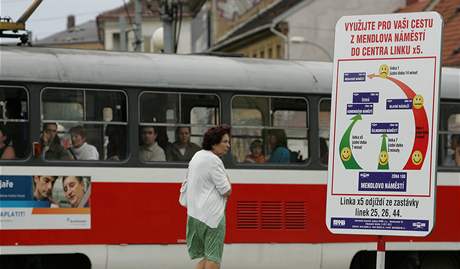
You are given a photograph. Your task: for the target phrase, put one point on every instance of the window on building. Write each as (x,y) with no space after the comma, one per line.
(147,45)
(14,123)
(178,122)
(269,130)
(279,52)
(270,53)
(79,124)
(116,41)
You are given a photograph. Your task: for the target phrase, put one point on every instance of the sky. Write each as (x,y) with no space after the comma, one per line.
(51,16)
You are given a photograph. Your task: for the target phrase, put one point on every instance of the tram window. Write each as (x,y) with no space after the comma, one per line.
(84,125)
(324,123)
(201,118)
(159,108)
(14,123)
(449,139)
(178,121)
(269,130)
(63,104)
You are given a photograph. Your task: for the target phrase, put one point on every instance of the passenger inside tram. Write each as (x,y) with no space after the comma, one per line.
(182,150)
(277,142)
(150,150)
(453,159)
(80,149)
(116,147)
(323,150)
(257,153)
(7,151)
(51,146)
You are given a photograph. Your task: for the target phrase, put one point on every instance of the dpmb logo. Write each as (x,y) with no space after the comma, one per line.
(338,222)
(419,225)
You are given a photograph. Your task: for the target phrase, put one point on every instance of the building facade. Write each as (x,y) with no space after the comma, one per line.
(287,29)
(115,28)
(82,36)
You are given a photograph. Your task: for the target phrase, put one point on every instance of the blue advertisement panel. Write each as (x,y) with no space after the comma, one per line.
(45,202)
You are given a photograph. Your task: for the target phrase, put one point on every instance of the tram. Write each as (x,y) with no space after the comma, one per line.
(132,218)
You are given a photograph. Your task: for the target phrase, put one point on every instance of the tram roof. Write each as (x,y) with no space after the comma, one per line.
(174,71)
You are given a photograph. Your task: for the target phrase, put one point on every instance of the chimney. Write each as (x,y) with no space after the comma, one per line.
(70,22)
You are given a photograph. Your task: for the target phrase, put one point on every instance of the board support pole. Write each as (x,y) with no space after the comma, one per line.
(380,261)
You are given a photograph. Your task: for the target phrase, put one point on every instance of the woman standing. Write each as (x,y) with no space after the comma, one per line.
(208,188)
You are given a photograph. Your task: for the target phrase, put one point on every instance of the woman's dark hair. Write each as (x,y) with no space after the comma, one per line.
(176,133)
(214,136)
(6,133)
(281,139)
(256,144)
(79,130)
(56,139)
(455,139)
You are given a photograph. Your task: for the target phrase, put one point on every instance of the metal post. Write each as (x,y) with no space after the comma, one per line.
(29,11)
(138,25)
(380,261)
(122,25)
(168,36)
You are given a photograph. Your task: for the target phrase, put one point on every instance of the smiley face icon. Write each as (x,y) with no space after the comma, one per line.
(383,158)
(417,157)
(384,71)
(345,154)
(417,101)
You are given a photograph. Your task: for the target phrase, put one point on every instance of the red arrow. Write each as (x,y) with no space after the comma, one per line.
(417,156)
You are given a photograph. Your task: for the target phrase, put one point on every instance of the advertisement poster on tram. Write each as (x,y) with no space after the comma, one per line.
(384,114)
(45,202)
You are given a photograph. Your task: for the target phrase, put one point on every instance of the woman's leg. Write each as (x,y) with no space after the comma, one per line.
(211,265)
(201,264)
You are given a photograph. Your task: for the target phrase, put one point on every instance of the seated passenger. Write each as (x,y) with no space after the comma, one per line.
(277,141)
(454,158)
(80,149)
(6,150)
(150,151)
(182,150)
(74,191)
(257,153)
(116,147)
(323,150)
(51,144)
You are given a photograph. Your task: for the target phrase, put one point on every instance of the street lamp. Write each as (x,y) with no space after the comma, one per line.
(302,40)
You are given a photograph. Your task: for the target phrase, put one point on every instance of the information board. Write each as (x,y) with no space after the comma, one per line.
(383,133)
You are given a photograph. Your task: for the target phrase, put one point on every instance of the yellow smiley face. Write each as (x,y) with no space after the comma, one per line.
(345,154)
(417,102)
(384,70)
(383,158)
(417,157)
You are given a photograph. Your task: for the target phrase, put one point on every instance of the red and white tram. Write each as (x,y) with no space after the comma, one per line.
(275,217)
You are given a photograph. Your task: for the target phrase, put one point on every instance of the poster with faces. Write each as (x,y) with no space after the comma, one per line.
(45,202)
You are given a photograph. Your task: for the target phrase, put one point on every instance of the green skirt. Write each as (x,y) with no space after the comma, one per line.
(204,241)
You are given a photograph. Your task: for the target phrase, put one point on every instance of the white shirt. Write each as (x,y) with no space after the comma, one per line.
(152,153)
(207,182)
(86,152)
